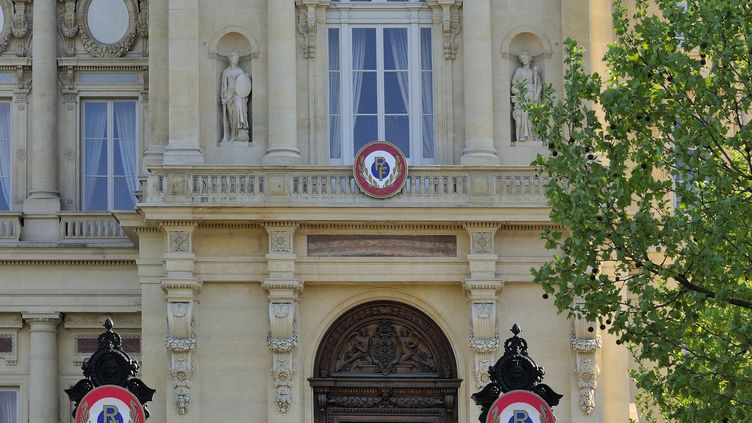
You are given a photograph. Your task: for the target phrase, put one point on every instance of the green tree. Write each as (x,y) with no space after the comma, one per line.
(652,175)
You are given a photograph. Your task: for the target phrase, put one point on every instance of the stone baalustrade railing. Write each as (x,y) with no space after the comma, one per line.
(10,226)
(331,186)
(88,226)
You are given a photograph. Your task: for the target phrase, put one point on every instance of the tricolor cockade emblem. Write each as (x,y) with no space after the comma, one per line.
(380,169)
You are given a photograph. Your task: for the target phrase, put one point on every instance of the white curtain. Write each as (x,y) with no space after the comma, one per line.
(5,153)
(426,90)
(125,128)
(8,407)
(398,43)
(335,110)
(95,130)
(359,37)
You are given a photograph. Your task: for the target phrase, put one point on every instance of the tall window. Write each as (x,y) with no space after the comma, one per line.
(5,162)
(9,408)
(380,85)
(109,155)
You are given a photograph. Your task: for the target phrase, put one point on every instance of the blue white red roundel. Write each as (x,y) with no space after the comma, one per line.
(520,407)
(110,404)
(380,169)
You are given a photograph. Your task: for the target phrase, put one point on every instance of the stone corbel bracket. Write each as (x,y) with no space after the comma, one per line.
(451,25)
(307,25)
(181,336)
(484,337)
(586,344)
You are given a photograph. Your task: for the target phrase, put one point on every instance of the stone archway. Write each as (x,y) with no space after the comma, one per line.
(385,361)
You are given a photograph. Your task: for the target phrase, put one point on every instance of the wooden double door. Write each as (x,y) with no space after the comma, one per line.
(384,362)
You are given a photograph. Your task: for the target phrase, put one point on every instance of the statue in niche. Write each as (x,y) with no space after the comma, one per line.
(527,87)
(235,90)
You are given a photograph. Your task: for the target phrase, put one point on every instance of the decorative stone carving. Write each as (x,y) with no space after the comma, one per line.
(68,26)
(142,26)
(527,87)
(387,348)
(582,345)
(16,24)
(179,242)
(280,242)
(587,374)
(282,371)
(181,339)
(99,49)
(485,345)
(586,342)
(482,243)
(307,28)
(21,25)
(9,347)
(235,90)
(481,373)
(451,27)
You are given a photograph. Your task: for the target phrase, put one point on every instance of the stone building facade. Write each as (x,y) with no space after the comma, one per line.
(185,167)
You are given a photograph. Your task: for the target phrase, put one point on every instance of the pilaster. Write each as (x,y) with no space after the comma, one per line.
(181,290)
(183,74)
(284,290)
(482,289)
(283,112)
(43,366)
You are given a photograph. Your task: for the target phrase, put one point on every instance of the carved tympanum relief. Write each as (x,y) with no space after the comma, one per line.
(385,348)
(527,88)
(108,28)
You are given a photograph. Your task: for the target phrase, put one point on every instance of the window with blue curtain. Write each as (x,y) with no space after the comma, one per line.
(5,159)
(381,85)
(110,159)
(9,408)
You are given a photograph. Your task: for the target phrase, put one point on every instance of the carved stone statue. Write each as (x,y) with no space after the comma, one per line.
(235,90)
(530,79)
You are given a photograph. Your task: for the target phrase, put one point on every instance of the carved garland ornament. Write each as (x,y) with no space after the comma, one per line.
(117,49)
(587,369)
(6,35)
(67,24)
(485,345)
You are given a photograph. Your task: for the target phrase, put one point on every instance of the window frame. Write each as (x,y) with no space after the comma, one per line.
(414,16)
(110,102)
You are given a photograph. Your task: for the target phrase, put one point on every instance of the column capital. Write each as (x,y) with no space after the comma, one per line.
(39,319)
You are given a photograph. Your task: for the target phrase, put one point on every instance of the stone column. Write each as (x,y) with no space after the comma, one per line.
(44,199)
(479,133)
(283,113)
(43,369)
(183,73)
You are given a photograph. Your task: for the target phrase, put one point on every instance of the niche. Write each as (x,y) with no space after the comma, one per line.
(234,87)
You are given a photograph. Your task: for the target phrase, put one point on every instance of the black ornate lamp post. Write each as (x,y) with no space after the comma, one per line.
(110,365)
(515,370)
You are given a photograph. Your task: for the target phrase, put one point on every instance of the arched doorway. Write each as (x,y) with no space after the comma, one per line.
(385,361)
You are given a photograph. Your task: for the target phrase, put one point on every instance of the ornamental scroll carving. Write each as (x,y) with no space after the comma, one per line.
(586,367)
(179,242)
(482,243)
(103,50)
(16,24)
(280,242)
(306,26)
(282,339)
(181,341)
(67,24)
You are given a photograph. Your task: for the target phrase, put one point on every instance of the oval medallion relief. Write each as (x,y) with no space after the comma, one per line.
(108,27)
(108,20)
